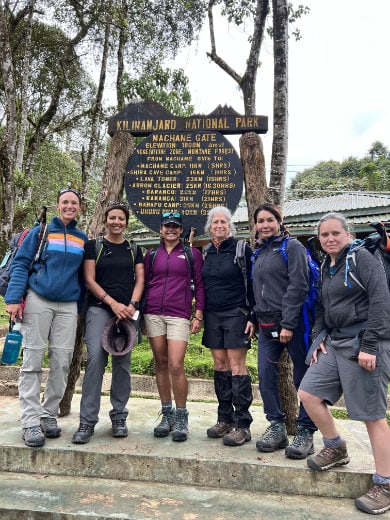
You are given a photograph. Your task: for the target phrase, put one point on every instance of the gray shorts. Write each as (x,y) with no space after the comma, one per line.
(365,393)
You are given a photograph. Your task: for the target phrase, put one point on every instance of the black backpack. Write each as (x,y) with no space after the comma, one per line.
(378,244)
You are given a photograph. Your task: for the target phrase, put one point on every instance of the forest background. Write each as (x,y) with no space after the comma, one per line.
(62,63)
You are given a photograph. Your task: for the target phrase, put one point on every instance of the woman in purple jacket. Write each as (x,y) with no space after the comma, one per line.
(167,316)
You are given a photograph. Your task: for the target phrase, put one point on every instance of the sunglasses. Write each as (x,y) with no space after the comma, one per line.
(171,214)
(67,190)
(116,203)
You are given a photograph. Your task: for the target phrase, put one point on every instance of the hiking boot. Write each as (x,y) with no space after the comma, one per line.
(376,500)
(329,457)
(237,437)
(302,444)
(274,437)
(167,422)
(83,434)
(50,427)
(180,430)
(119,428)
(219,430)
(33,436)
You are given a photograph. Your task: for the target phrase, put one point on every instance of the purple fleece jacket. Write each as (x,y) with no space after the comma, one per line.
(169,290)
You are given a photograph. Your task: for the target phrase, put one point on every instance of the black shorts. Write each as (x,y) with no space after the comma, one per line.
(225,329)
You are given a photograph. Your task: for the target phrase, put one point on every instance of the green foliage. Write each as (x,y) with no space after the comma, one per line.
(353,174)
(53,171)
(166,86)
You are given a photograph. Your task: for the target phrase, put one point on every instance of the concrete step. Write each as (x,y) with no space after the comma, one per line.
(199,461)
(43,497)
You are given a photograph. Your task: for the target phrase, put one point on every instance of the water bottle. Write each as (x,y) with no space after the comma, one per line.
(12,344)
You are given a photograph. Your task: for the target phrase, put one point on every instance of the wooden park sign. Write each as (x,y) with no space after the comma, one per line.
(185,163)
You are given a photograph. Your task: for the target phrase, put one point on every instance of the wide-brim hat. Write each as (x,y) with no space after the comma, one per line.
(119,337)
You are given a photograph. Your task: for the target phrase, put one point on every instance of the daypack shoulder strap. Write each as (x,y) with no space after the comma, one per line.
(22,236)
(283,249)
(240,260)
(190,259)
(99,244)
(206,249)
(152,256)
(351,257)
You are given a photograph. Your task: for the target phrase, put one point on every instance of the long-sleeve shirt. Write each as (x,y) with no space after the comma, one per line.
(279,287)
(56,276)
(168,291)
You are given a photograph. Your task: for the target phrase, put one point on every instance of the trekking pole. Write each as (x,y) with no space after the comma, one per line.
(41,220)
(41,217)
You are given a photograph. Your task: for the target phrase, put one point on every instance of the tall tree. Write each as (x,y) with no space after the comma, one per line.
(251,146)
(280,120)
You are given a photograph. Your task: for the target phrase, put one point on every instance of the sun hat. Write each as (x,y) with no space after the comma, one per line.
(173,217)
(118,336)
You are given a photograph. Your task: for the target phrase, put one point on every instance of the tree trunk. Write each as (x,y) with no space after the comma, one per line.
(122,146)
(8,141)
(95,123)
(280,126)
(24,90)
(288,394)
(253,164)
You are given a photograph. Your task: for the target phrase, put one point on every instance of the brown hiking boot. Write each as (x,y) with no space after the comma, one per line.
(376,500)
(237,437)
(219,430)
(329,457)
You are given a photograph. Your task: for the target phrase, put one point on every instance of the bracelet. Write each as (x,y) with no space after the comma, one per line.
(134,304)
(196,318)
(103,296)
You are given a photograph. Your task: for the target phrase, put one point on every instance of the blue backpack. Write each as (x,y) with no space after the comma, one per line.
(308,308)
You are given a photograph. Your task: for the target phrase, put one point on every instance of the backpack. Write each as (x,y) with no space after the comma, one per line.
(13,247)
(99,246)
(308,307)
(378,244)
(239,259)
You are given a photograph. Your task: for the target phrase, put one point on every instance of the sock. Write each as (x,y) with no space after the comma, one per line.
(167,405)
(333,443)
(378,479)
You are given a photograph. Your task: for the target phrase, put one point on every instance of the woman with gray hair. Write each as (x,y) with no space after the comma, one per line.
(352,328)
(228,327)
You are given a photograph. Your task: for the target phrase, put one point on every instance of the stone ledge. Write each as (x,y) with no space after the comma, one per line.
(198,389)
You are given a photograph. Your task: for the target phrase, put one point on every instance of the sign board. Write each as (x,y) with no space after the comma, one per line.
(141,119)
(191,172)
(185,163)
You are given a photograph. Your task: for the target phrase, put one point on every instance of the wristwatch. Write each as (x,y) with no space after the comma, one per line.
(135,304)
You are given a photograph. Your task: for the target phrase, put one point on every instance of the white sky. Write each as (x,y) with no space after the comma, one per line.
(338,80)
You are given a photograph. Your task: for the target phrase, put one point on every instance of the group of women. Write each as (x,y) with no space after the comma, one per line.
(230,302)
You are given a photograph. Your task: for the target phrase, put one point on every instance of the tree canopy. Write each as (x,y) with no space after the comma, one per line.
(369,173)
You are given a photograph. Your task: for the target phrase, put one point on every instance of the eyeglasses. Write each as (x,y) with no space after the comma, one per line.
(116,203)
(171,214)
